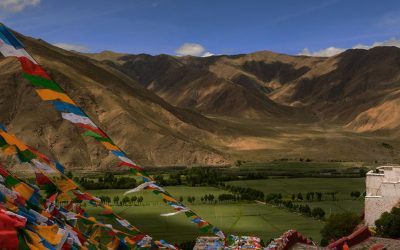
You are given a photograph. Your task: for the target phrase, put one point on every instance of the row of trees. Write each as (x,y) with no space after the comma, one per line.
(310,196)
(248,194)
(276,199)
(122,201)
(318,196)
(108,181)
(198,176)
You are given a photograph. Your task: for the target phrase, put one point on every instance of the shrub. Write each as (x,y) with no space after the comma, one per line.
(324,242)
(318,213)
(339,225)
(388,225)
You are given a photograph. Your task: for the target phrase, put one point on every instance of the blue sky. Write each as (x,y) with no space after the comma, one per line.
(207,27)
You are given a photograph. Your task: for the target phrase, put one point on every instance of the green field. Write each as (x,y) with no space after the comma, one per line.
(294,185)
(150,199)
(240,218)
(265,221)
(288,186)
(303,185)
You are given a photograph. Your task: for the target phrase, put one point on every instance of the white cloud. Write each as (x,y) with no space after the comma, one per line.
(17,5)
(331,51)
(207,54)
(72,47)
(192,49)
(390,42)
(327,52)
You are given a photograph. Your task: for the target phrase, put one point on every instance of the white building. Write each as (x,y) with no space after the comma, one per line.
(382,192)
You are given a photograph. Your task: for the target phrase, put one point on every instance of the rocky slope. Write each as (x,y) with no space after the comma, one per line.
(165,110)
(357,88)
(149,129)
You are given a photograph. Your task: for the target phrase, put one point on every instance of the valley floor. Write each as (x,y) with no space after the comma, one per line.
(240,218)
(248,139)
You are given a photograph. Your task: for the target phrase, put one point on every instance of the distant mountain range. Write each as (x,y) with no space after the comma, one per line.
(348,88)
(165,110)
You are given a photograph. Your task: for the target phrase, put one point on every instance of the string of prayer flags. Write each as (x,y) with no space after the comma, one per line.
(49,90)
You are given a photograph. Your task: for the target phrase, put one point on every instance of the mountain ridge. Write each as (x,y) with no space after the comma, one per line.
(167,110)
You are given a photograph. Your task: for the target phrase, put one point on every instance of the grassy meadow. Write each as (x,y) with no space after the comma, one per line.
(247,217)
(237,218)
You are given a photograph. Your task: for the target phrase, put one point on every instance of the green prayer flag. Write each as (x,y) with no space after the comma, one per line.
(26,155)
(98,137)
(2,142)
(43,82)
(21,240)
(11,181)
(205,229)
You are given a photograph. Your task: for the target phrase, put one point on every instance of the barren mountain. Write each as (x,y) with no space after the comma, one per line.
(283,106)
(343,87)
(166,110)
(224,85)
(346,89)
(149,129)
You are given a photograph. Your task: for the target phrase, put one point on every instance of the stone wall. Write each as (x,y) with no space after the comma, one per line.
(382,192)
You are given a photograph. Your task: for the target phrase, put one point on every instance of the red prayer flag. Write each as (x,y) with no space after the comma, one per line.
(31,68)
(91,128)
(8,230)
(122,163)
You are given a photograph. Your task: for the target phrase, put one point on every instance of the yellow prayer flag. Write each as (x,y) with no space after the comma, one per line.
(24,190)
(34,241)
(65,185)
(63,197)
(109,146)
(49,233)
(10,150)
(168,198)
(50,95)
(10,139)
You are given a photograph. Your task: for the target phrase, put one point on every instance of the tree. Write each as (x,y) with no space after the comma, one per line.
(133,199)
(299,196)
(339,225)
(160,179)
(211,197)
(116,200)
(319,196)
(306,210)
(140,199)
(332,194)
(388,225)
(109,178)
(355,194)
(126,200)
(318,213)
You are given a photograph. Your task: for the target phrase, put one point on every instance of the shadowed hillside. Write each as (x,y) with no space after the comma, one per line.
(280,106)
(164,110)
(346,89)
(146,127)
